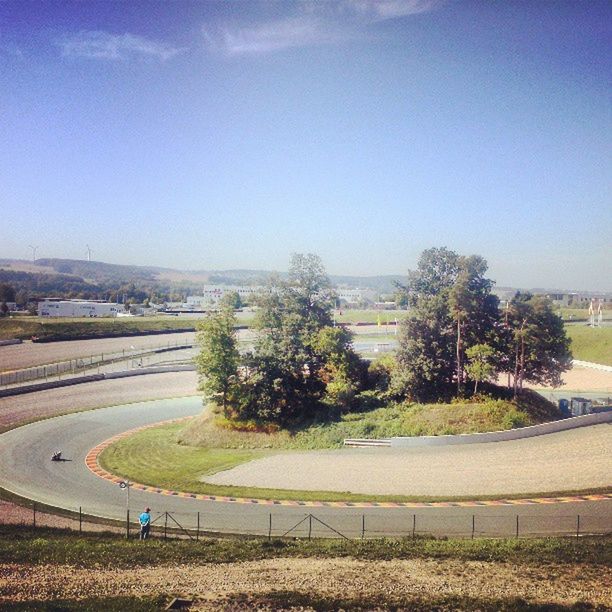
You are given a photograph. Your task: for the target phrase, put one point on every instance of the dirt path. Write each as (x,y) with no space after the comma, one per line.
(392,582)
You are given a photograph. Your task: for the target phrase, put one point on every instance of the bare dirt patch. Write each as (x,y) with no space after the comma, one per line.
(389,582)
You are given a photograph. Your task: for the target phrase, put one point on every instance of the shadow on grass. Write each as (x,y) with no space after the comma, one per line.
(108,604)
(289,600)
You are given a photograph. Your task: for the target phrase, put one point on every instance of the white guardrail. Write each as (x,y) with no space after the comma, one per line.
(590,364)
(493,436)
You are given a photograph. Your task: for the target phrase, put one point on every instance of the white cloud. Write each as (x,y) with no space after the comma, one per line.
(313,24)
(266,37)
(103,45)
(376,10)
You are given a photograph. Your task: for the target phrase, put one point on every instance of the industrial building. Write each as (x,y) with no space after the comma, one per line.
(212,294)
(58,307)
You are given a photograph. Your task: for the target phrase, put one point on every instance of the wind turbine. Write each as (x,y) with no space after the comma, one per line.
(34,249)
(88,253)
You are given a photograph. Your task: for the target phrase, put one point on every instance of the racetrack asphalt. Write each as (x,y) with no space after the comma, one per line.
(26,469)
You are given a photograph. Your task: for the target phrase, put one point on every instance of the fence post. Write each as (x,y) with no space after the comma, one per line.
(362,526)
(578,526)
(80,520)
(34,515)
(166,526)
(473,525)
(270,527)
(127,524)
(414,526)
(517,525)
(309,526)
(198,529)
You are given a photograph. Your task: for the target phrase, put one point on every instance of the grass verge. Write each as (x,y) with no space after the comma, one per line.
(154,457)
(25,327)
(45,545)
(591,343)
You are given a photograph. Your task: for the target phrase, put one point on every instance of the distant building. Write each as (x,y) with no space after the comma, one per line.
(57,307)
(213,294)
(354,297)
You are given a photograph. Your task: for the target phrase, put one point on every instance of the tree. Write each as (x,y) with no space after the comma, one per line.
(537,349)
(452,309)
(218,360)
(231,300)
(7,293)
(474,309)
(480,366)
(298,355)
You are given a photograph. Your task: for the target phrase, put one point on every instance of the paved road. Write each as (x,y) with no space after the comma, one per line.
(27,354)
(26,469)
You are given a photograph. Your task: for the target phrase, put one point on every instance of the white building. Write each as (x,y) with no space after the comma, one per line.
(212,294)
(57,307)
(353,297)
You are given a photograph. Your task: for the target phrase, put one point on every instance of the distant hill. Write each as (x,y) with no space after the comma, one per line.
(99,277)
(99,280)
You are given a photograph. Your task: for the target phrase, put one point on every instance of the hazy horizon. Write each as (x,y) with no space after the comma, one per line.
(228,135)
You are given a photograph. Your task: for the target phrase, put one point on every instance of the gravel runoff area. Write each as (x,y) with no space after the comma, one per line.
(43,404)
(215,586)
(576,459)
(582,379)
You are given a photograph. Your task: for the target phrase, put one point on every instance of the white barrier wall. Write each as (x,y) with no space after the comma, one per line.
(511,434)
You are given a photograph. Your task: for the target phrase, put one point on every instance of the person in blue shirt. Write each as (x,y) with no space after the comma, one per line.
(145,523)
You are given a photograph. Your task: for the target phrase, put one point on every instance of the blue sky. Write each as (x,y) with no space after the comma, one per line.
(213,135)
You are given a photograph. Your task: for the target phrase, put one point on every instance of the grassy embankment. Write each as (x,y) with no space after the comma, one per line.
(25,327)
(591,344)
(69,552)
(47,545)
(176,456)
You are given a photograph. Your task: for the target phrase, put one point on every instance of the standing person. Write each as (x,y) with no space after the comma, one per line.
(145,523)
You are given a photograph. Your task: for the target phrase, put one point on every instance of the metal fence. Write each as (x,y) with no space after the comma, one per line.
(351,526)
(74,367)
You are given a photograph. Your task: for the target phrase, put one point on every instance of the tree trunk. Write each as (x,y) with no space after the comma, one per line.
(459,364)
(516,370)
(522,374)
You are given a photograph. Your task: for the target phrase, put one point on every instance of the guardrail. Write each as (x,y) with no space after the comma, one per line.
(56,384)
(80,364)
(364,442)
(493,436)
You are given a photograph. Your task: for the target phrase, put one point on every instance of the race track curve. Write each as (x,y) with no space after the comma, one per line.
(26,469)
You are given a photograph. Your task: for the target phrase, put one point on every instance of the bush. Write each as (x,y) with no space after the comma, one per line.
(514,419)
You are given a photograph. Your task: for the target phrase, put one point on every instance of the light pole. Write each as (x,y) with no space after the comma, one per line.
(126,484)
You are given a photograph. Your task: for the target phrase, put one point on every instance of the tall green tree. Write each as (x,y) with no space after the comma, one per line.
(452,309)
(218,360)
(473,308)
(298,353)
(537,349)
